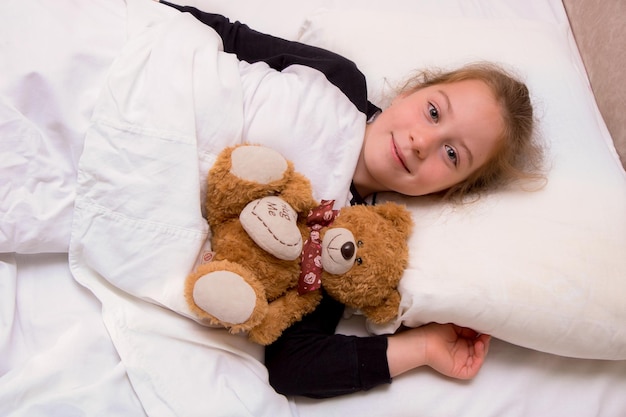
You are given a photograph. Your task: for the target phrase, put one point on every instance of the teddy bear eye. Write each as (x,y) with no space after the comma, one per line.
(359,243)
(358,261)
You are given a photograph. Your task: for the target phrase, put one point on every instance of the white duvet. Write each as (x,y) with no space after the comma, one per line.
(171,102)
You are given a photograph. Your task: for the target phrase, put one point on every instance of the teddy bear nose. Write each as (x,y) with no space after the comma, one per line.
(347,250)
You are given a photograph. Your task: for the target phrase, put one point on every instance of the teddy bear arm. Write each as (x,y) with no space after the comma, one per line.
(298,193)
(384,312)
(254,171)
(282,313)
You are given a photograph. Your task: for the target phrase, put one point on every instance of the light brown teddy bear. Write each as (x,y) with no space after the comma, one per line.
(274,245)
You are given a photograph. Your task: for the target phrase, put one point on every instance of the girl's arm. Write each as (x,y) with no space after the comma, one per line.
(310,359)
(252,46)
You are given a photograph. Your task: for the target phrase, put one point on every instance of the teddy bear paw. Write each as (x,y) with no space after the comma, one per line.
(258,164)
(226,296)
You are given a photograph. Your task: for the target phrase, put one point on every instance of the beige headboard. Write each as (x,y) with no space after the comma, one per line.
(600,31)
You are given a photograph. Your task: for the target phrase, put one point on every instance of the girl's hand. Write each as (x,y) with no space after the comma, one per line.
(457,352)
(447,348)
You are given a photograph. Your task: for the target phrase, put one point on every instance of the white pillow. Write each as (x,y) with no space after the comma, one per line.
(544,269)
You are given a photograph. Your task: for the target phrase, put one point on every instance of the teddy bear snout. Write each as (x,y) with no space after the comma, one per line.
(338,251)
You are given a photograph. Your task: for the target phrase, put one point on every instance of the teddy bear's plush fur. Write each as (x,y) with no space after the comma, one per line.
(257,207)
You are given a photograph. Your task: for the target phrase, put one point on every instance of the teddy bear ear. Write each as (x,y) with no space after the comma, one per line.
(398,215)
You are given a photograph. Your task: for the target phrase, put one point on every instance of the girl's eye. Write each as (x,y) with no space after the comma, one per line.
(433,112)
(452,154)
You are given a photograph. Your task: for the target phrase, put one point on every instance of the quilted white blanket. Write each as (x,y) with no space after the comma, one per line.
(172,100)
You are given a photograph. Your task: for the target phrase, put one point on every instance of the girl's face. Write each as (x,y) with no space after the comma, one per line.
(431,139)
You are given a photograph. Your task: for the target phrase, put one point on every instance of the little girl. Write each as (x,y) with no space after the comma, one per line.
(453,134)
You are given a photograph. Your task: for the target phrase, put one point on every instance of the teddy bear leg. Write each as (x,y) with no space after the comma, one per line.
(282,313)
(214,293)
(258,164)
(227,294)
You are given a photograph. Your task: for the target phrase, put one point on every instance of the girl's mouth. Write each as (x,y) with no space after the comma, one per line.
(397,155)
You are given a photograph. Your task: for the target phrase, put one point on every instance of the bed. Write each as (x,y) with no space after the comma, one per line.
(92,320)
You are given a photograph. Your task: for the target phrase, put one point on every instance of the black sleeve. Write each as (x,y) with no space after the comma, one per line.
(252,46)
(310,359)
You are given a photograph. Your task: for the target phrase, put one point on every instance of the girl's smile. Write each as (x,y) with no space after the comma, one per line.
(397,155)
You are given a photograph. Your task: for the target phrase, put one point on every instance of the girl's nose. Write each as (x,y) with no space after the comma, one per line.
(421,143)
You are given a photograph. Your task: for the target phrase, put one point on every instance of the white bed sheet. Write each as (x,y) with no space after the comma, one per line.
(56,355)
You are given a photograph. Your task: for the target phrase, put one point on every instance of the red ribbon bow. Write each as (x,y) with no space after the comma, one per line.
(311,261)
